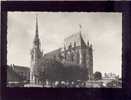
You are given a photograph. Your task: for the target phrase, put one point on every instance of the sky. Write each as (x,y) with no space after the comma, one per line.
(102,29)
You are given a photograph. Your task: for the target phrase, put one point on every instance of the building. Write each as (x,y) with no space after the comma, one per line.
(17,74)
(110,76)
(74,51)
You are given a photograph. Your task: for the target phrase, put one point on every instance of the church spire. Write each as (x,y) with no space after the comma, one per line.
(36,39)
(36,54)
(37,35)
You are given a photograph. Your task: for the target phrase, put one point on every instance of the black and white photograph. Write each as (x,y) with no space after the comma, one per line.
(64,49)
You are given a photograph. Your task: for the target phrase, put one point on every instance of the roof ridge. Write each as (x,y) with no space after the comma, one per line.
(19,66)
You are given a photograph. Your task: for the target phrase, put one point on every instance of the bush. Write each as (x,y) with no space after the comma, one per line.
(97,75)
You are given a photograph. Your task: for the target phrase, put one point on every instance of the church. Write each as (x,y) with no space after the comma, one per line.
(75,51)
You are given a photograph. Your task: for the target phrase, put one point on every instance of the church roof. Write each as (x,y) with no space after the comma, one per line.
(52,53)
(21,68)
(75,39)
(12,75)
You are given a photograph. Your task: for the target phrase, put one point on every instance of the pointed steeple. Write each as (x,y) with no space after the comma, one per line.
(36,39)
(81,38)
(36,54)
(36,34)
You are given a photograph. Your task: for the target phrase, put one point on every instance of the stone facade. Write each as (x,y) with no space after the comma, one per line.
(75,51)
(16,73)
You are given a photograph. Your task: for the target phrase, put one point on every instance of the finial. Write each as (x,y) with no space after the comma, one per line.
(80,27)
(74,44)
(88,43)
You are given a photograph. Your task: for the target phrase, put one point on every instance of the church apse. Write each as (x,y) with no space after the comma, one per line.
(76,51)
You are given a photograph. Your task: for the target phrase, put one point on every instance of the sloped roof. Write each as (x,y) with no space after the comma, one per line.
(75,39)
(12,75)
(22,68)
(52,53)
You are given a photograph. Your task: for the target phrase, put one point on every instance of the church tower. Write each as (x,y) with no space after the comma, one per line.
(36,54)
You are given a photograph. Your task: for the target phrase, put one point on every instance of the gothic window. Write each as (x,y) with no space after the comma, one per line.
(74,44)
(71,55)
(21,74)
(68,55)
(78,57)
(69,47)
(75,57)
(65,55)
(54,57)
(32,57)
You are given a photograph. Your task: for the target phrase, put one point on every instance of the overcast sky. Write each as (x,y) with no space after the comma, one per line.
(104,30)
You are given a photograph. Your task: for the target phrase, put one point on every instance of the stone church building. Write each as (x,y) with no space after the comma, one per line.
(75,51)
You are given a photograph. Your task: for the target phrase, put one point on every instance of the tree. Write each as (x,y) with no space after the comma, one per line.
(97,75)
